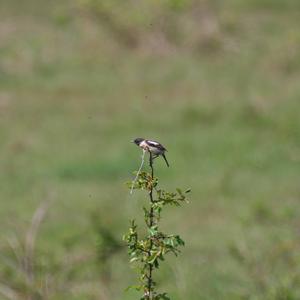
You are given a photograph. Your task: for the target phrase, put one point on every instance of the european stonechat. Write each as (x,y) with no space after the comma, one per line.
(154,147)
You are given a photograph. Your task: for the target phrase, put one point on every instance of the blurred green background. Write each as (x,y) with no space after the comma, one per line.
(217,82)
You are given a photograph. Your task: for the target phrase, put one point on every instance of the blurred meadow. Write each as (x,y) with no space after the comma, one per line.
(217,82)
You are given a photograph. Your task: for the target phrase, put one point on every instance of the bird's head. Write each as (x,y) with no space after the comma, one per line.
(137,141)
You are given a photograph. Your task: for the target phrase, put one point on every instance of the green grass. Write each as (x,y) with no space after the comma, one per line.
(70,102)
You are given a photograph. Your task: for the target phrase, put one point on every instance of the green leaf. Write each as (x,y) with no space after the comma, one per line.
(161,257)
(163,296)
(152,258)
(179,191)
(134,259)
(153,230)
(133,287)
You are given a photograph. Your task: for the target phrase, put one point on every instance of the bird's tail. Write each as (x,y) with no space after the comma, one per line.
(163,155)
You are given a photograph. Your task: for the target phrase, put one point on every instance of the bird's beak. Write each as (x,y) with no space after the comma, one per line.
(132,141)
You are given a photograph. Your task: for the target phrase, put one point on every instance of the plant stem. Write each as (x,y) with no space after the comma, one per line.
(150,281)
(138,172)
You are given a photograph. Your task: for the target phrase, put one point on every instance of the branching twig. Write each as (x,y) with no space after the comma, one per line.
(138,172)
(148,252)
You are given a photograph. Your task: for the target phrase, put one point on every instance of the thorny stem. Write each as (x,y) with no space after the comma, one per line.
(148,293)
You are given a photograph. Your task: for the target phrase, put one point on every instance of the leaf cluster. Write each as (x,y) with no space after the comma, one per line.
(149,251)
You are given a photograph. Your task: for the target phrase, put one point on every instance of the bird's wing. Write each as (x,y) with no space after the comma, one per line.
(156,145)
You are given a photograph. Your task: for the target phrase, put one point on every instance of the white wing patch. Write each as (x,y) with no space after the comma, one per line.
(152,143)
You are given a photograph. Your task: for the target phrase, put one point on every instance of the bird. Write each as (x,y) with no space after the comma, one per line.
(153,147)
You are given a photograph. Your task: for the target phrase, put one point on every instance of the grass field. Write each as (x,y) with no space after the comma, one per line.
(72,98)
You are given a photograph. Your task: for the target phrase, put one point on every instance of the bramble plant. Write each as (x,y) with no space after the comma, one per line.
(148,252)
